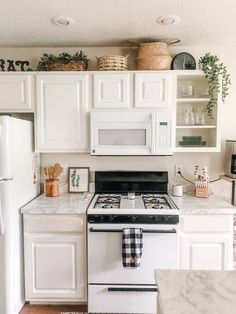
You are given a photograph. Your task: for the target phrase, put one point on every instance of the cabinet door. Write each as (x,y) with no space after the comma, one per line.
(55,267)
(111,90)
(207,251)
(152,90)
(17,92)
(62,113)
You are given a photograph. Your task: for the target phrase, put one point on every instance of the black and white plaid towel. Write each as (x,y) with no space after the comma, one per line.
(132,247)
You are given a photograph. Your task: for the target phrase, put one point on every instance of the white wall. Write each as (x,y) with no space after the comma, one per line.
(214,161)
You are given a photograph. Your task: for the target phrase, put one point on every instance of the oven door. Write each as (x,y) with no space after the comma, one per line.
(160,251)
(122,133)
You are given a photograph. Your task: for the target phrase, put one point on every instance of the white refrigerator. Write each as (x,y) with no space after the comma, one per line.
(19,167)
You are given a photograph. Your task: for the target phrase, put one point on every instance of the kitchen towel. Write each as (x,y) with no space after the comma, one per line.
(132,247)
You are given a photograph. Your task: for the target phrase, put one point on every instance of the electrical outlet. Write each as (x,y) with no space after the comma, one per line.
(178,168)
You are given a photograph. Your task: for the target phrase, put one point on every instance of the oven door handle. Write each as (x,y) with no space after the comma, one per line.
(111,289)
(144,231)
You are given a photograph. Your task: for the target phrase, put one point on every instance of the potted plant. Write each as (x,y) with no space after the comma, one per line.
(63,62)
(217,77)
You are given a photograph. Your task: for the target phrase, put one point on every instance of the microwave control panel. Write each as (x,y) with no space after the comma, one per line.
(163,133)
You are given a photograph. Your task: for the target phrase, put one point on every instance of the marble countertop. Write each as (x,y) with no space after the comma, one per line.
(69,203)
(66,203)
(196,292)
(188,204)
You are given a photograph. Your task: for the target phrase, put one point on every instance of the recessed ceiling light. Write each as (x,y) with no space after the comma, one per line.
(168,19)
(62,21)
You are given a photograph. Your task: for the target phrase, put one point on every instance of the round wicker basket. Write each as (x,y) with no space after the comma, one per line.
(112,63)
(157,48)
(69,66)
(153,49)
(154,63)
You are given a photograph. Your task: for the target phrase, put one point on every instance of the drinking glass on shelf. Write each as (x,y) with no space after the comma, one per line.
(198,116)
(202,117)
(186,90)
(192,116)
(187,116)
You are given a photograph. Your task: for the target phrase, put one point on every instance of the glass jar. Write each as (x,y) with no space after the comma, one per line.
(187,116)
(192,117)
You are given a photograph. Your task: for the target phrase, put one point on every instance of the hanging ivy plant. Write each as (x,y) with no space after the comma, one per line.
(218,80)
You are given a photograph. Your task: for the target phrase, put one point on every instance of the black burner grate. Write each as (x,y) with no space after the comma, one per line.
(108,201)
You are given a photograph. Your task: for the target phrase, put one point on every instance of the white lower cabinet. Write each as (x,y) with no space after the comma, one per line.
(55,258)
(204,251)
(206,242)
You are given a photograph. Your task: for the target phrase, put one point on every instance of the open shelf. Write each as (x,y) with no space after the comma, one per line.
(195,126)
(192,99)
(198,149)
(187,100)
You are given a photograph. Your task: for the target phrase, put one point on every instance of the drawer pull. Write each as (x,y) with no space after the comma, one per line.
(144,231)
(112,289)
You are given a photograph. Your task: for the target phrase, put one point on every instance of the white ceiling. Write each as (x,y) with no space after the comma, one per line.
(113,22)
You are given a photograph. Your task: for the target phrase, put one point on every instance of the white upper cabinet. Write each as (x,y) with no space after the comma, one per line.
(17,92)
(62,113)
(152,90)
(112,90)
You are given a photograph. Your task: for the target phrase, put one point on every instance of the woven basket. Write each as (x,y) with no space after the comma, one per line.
(112,63)
(154,63)
(69,66)
(158,48)
(153,49)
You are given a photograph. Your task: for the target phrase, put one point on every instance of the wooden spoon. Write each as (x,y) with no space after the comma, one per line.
(51,171)
(46,172)
(57,170)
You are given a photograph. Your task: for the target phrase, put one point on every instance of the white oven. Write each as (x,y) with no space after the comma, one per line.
(131,133)
(115,289)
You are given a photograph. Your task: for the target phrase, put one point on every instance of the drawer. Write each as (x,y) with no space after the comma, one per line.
(54,223)
(118,299)
(206,223)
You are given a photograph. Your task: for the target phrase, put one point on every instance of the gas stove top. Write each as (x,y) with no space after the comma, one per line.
(148,203)
(115,201)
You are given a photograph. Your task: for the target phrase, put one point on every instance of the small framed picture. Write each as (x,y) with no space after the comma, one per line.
(78,180)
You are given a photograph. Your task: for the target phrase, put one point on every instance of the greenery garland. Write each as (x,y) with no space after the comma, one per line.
(217,77)
(62,57)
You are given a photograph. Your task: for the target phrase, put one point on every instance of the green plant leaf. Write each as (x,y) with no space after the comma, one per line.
(218,80)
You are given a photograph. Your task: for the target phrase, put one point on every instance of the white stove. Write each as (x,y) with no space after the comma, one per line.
(115,206)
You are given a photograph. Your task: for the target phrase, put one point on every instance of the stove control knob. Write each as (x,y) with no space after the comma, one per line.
(112,217)
(167,219)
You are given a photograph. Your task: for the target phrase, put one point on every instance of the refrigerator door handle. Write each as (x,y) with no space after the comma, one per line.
(6,179)
(1,215)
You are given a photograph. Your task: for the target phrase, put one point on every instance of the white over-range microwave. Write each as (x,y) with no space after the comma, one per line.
(131,133)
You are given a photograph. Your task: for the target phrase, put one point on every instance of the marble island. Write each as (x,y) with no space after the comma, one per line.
(196,292)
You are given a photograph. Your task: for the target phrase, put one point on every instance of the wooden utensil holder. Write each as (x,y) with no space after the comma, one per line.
(51,187)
